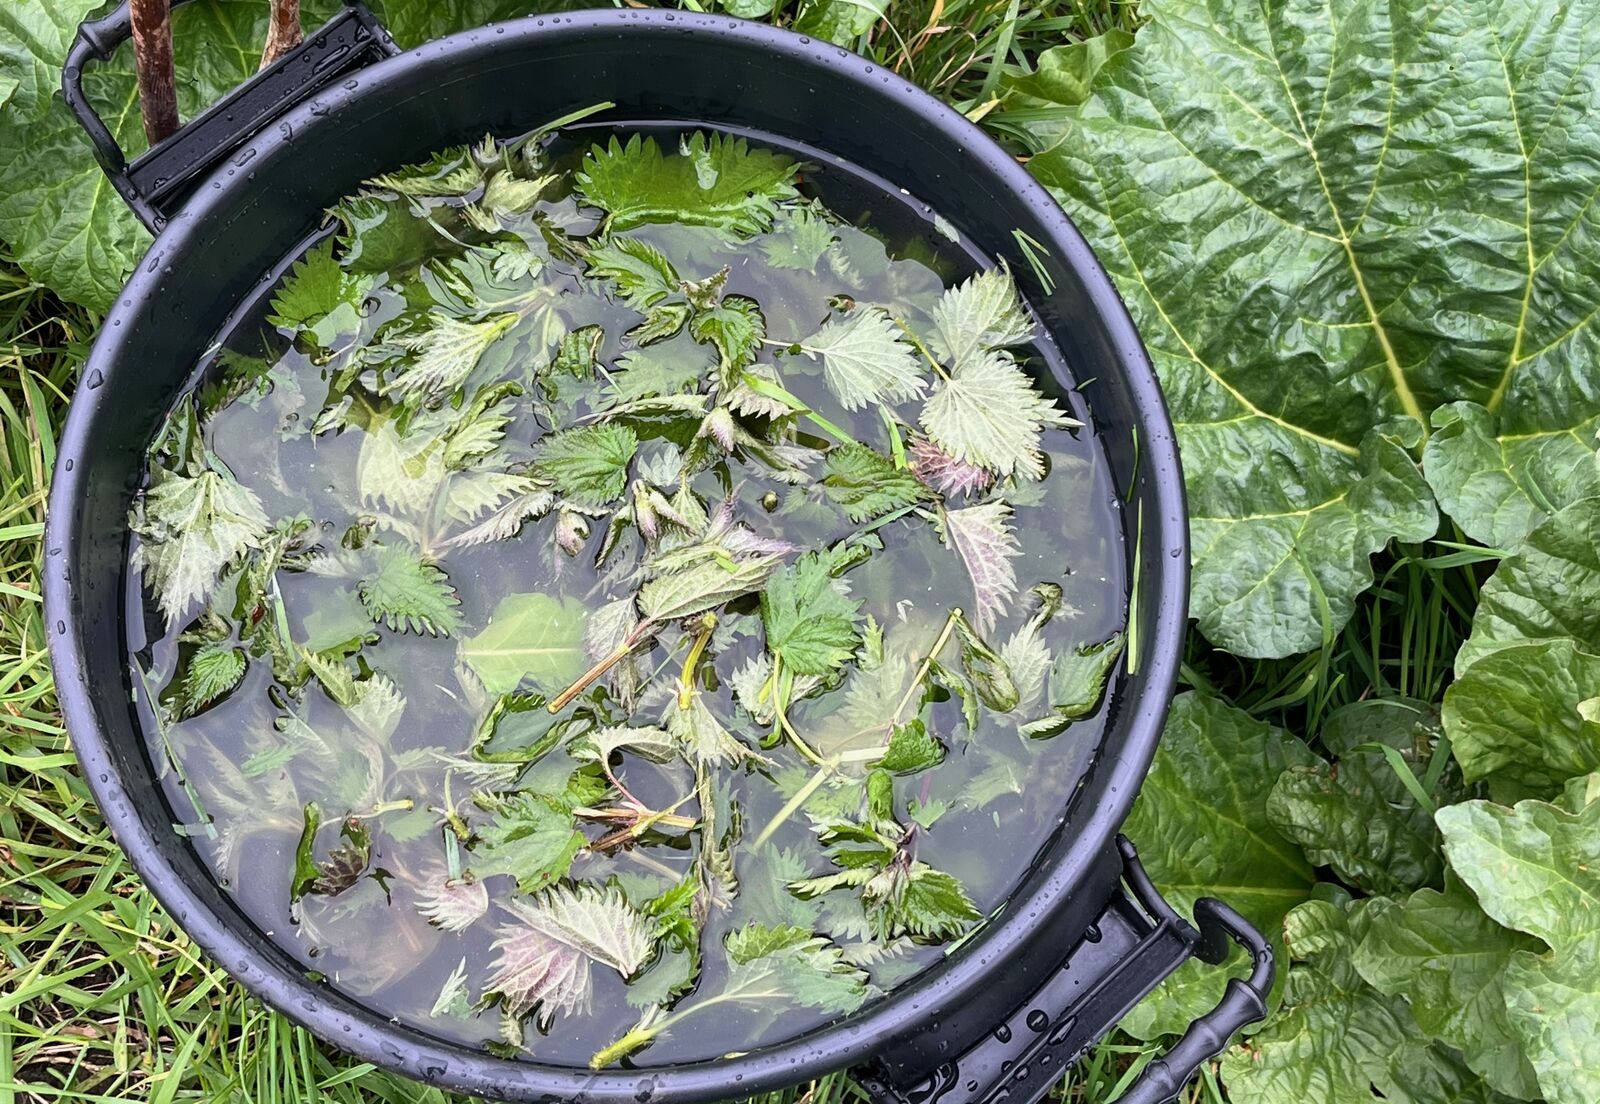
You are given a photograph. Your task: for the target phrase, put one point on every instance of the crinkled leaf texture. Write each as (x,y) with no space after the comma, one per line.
(1448,960)
(1337,1040)
(1324,218)
(1514,713)
(717,181)
(1202,829)
(1535,868)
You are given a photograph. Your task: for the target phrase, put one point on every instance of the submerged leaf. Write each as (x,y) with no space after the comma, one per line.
(190,528)
(987,412)
(409,594)
(445,355)
(532,638)
(982,536)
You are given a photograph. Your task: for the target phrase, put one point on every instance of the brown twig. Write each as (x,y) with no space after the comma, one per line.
(283,31)
(152,51)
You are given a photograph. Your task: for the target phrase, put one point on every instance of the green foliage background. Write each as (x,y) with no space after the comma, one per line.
(1360,242)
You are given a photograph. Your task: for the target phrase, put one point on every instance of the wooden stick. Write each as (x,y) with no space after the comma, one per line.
(152,51)
(283,31)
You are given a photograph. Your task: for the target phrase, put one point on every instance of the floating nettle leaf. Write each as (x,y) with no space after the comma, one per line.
(450,172)
(321,298)
(190,528)
(210,674)
(545,954)
(717,181)
(866,484)
(702,738)
(530,638)
(454,904)
(642,274)
(1077,683)
(976,316)
(867,359)
(652,743)
(987,412)
(410,594)
(589,464)
(343,867)
(810,618)
(444,355)
(533,838)
(945,474)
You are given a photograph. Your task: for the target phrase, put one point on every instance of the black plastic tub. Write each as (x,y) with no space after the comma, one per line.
(1084,936)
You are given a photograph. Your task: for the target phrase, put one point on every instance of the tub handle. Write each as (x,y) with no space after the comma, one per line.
(1137,941)
(156,183)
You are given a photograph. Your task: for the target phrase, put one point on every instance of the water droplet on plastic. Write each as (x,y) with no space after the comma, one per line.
(94,379)
(1003,1033)
(61,626)
(1038,1020)
(1092,935)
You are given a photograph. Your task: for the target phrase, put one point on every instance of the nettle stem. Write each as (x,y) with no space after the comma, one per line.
(641,632)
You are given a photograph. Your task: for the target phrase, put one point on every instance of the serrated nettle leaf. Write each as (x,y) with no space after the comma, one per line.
(1077,683)
(1202,829)
(987,673)
(987,412)
(1535,868)
(1026,656)
(403,472)
(866,359)
(984,539)
(190,528)
(453,904)
(703,738)
(410,594)
(210,674)
(809,617)
(320,297)
(545,955)
(801,236)
(1448,960)
(533,838)
(1292,156)
(716,181)
(1338,1040)
(978,315)
(735,327)
(911,748)
(533,639)
(578,353)
(642,274)
(943,473)
(866,484)
(588,464)
(444,355)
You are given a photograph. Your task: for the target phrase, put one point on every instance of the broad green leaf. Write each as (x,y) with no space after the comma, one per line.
(1202,829)
(1499,488)
(810,618)
(1309,257)
(1448,960)
(1535,868)
(1549,588)
(704,740)
(911,748)
(717,181)
(866,484)
(1063,75)
(839,21)
(445,354)
(535,639)
(65,224)
(866,359)
(589,464)
(409,594)
(1514,718)
(1355,813)
(735,326)
(1337,1040)
(986,411)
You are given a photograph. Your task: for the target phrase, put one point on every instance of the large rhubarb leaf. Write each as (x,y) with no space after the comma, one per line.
(1332,222)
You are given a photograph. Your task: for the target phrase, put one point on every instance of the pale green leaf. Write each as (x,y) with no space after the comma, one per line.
(978,315)
(988,412)
(866,359)
(535,639)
